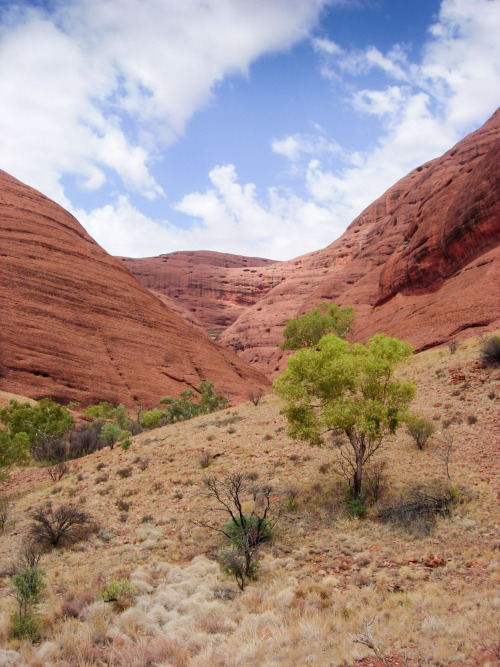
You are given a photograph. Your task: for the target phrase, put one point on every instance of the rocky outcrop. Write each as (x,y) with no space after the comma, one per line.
(422,262)
(77,325)
(210,288)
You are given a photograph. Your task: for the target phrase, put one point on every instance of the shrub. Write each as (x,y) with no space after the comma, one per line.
(356,508)
(27,626)
(205,460)
(112,433)
(244,532)
(44,424)
(85,439)
(57,472)
(418,512)
(255,396)
(4,513)
(124,472)
(420,429)
(490,351)
(376,482)
(27,584)
(62,526)
(120,592)
(126,444)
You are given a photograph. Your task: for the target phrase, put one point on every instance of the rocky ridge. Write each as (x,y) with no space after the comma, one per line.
(422,262)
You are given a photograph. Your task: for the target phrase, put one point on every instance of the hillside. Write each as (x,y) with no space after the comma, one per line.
(211,289)
(433,597)
(421,263)
(76,325)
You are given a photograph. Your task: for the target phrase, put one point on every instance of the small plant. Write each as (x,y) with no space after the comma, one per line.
(255,396)
(57,472)
(63,526)
(120,592)
(490,351)
(4,513)
(290,499)
(124,472)
(420,429)
(471,419)
(244,532)
(102,478)
(205,460)
(356,508)
(366,639)
(143,462)
(376,482)
(453,346)
(126,444)
(27,584)
(122,505)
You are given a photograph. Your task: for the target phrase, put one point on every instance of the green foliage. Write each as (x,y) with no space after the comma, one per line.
(356,508)
(27,586)
(152,419)
(27,626)
(102,410)
(126,444)
(13,450)
(42,423)
(307,330)
(112,433)
(120,592)
(348,389)
(185,407)
(420,429)
(107,411)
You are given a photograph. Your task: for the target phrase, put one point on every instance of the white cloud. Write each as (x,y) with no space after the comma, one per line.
(94,87)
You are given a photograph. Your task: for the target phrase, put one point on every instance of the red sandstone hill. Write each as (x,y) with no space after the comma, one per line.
(76,324)
(210,288)
(422,262)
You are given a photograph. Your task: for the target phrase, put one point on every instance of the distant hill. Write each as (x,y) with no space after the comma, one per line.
(77,325)
(209,288)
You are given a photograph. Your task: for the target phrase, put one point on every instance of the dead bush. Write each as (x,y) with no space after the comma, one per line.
(57,472)
(60,527)
(417,512)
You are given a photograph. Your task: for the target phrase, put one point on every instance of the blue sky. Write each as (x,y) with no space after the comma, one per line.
(258,127)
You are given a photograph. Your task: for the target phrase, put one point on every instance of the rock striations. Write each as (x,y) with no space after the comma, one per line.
(210,288)
(422,262)
(76,325)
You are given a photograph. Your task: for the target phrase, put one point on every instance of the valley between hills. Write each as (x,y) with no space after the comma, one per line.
(333,586)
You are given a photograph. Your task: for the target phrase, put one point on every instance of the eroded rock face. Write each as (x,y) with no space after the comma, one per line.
(210,288)
(421,263)
(77,325)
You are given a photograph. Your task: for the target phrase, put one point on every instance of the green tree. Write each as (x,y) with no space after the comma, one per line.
(307,330)
(43,423)
(13,449)
(108,411)
(339,388)
(112,433)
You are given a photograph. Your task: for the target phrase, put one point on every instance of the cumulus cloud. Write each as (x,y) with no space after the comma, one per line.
(92,88)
